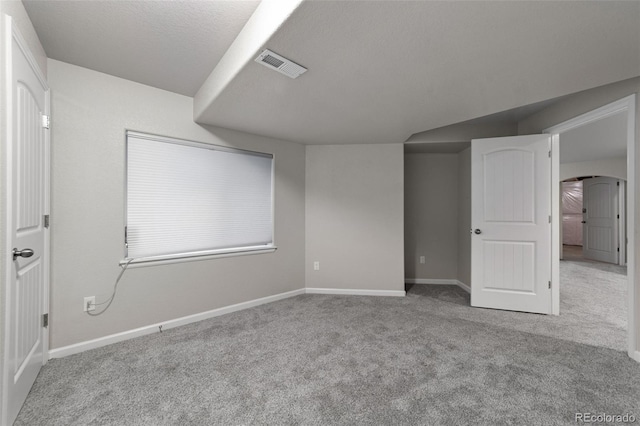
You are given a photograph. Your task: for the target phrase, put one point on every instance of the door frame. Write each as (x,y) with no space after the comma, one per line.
(628,105)
(622,223)
(10,35)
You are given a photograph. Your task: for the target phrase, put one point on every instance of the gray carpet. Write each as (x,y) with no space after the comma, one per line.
(320,360)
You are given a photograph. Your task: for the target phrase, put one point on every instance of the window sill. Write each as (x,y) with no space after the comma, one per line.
(143,262)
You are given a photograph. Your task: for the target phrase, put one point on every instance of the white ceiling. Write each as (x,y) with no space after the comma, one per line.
(172,45)
(382,71)
(604,138)
(378,71)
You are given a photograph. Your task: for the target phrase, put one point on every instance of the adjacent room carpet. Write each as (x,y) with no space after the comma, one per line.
(428,358)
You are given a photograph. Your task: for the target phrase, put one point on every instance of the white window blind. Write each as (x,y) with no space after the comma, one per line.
(188,199)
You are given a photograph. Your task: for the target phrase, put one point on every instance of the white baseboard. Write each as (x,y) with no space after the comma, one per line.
(154,328)
(356,292)
(636,356)
(438,281)
(464,286)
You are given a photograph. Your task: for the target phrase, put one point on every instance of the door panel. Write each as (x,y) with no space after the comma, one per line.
(511,242)
(28,303)
(508,186)
(510,266)
(27,203)
(600,216)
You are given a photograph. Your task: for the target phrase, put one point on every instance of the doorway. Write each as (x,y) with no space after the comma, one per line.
(593,274)
(571,228)
(593,220)
(598,143)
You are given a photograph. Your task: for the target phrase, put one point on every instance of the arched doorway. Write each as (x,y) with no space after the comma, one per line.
(593,222)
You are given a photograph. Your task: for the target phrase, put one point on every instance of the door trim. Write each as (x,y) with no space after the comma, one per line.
(11,34)
(622,227)
(628,105)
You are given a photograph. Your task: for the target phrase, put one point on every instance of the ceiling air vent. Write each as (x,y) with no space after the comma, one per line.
(282,65)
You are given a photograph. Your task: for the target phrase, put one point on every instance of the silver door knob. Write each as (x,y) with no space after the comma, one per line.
(477,231)
(22,253)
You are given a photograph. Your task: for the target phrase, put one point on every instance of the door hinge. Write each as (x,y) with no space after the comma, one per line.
(618,249)
(618,217)
(46,122)
(549,284)
(549,154)
(126,242)
(46,220)
(549,218)
(45,320)
(618,183)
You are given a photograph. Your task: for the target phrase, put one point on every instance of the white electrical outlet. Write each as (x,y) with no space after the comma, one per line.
(422,260)
(316,266)
(89,304)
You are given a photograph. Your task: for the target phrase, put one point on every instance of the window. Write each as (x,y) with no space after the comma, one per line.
(187,199)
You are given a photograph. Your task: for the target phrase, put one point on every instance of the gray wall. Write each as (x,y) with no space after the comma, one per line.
(438,216)
(581,103)
(16,10)
(465,132)
(614,167)
(431,215)
(464,216)
(91,112)
(354,220)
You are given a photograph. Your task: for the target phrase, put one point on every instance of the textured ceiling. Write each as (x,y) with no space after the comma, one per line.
(379,71)
(172,45)
(382,71)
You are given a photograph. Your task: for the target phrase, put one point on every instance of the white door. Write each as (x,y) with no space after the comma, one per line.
(600,219)
(510,216)
(27,203)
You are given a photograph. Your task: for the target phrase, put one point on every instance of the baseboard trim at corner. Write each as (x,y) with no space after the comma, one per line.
(154,328)
(636,356)
(438,281)
(356,292)
(464,286)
